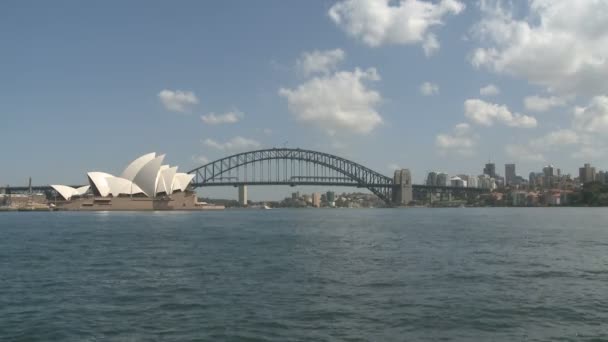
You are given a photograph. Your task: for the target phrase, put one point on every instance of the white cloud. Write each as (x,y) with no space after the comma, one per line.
(462,140)
(485,114)
(542,104)
(430,45)
(338,102)
(560,44)
(226,118)
(428,89)
(523,153)
(177,101)
(201,160)
(379,22)
(594,117)
(393,167)
(562,137)
(235,144)
(317,61)
(489,90)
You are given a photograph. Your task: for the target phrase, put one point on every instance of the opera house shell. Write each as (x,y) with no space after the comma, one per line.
(145,184)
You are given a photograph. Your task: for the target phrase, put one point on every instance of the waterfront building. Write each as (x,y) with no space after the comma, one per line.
(145,184)
(519,198)
(486,182)
(316,199)
(457,182)
(472,182)
(331,196)
(586,174)
(510,175)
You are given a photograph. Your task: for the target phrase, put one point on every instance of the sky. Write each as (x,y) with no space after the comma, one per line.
(443,85)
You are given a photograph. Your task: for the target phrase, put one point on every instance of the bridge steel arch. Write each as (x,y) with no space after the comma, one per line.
(218,172)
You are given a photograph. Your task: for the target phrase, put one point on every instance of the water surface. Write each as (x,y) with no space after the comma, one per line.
(306,275)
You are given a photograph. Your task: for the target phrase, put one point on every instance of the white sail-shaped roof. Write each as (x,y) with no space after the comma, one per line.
(181,181)
(132,169)
(160,185)
(65,191)
(82,190)
(147,174)
(99,181)
(165,180)
(121,186)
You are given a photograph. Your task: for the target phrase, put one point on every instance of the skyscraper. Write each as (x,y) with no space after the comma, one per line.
(510,175)
(490,170)
(586,174)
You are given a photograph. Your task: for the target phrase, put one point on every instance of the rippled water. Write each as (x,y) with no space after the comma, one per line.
(305,275)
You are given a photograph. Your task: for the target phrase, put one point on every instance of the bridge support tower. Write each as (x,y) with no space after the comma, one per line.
(243,195)
(402,190)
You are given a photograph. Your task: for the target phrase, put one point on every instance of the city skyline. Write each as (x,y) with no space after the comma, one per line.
(200,81)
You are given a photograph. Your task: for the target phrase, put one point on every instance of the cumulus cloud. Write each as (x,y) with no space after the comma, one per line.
(226,118)
(486,114)
(428,89)
(523,153)
(177,100)
(560,44)
(542,104)
(317,61)
(461,140)
(235,144)
(594,117)
(201,160)
(393,166)
(489,90)
(379,22)
(337,102)
(562,137)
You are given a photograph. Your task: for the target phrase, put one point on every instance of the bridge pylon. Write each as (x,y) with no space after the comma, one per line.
(402,189)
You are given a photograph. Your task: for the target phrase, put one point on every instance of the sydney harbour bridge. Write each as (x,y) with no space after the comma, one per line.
(301,167)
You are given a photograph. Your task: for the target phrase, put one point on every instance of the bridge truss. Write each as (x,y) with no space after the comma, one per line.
(289,166)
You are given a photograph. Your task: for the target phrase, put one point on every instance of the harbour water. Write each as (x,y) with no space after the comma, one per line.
(306,275)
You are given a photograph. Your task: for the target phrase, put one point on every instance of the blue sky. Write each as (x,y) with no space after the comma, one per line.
(82,83)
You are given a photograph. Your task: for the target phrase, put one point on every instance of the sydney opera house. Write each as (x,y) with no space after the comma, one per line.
(145,184)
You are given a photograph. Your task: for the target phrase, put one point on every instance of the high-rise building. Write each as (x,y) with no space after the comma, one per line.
(601,177)
(442,179)
(510,175)
(316,199)
(549,176)
(532,179)
(490,170)
(549,171)
(586,174)
(431,178)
